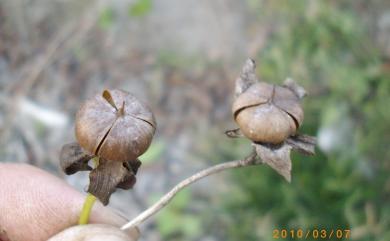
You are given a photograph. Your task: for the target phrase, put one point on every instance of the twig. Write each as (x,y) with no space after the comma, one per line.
(250,160)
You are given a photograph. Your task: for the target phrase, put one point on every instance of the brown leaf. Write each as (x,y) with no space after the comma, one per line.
(107,176)
(73,158)
(277,157)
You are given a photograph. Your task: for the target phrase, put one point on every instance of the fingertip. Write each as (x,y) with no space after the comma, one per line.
(93,232)
(107,215)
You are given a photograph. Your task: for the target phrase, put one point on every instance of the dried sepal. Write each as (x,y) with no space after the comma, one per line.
(277,157)
(103,179)
(133,165)
(298,90)
(107,96)
(73,158)
(107,176)
(129,179)
(247,77)
(304,144)
(234,133)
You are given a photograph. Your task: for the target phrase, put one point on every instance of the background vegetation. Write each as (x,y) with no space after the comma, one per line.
(346,185)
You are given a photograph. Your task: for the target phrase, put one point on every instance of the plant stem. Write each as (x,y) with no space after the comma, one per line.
(250,160)
(89,201)
(86,211)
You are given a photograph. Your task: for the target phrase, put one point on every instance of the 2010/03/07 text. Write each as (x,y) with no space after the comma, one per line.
(311,233)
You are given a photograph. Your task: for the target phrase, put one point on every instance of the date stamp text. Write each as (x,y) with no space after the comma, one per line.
(311,233)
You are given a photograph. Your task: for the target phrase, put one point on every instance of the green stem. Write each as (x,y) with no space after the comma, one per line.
(86,211)
(88,203)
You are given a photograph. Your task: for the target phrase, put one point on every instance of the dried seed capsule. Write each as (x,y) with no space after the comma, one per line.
(267,113)
(115,126)
(270,115)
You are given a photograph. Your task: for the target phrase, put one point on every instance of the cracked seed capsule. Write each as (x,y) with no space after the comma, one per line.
(115,126)
(267,113)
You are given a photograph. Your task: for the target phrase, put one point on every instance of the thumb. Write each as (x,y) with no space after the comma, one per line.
(94,232)
(42,205)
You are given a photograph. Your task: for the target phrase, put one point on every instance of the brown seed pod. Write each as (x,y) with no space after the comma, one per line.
(267,113)
(270,115)
(115,126)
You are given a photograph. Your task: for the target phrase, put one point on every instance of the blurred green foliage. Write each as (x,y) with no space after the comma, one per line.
(155,151)
(140,8)
(325,46)
(106,18)
(175,222)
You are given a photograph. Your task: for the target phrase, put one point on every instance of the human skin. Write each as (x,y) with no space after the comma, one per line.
(35,205)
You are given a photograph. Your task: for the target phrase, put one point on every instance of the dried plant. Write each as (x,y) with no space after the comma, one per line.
(116,128)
